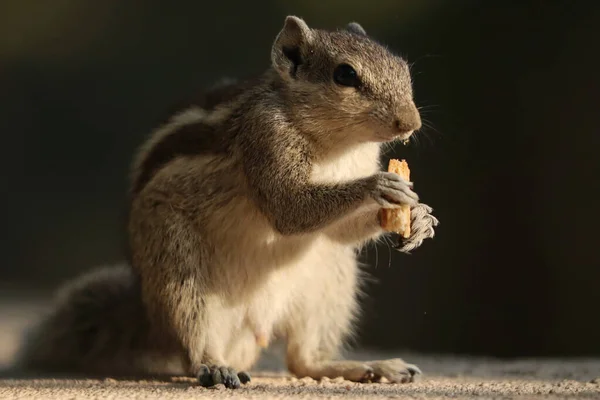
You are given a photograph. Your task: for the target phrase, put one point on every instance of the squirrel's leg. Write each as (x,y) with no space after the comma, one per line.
(173,272)
(217,362)
(320,325)
(177,301)
(321,322)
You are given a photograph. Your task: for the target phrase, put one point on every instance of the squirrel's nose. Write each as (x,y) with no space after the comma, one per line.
(407,118)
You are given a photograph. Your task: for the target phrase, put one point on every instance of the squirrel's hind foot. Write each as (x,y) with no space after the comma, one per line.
(394,370)
(213,375)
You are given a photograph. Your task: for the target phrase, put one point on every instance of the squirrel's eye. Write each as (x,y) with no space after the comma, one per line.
(345,75)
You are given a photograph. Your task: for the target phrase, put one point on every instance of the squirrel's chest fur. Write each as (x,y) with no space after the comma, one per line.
(358,162)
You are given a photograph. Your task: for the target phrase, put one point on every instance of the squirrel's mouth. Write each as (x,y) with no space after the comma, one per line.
(402,137)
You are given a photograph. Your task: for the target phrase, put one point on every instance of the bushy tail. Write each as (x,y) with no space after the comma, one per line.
(98,326)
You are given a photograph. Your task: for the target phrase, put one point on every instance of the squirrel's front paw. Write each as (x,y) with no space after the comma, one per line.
(422,227)
(391,191)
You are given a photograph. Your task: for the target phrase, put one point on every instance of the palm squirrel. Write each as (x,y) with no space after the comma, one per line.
(247,211)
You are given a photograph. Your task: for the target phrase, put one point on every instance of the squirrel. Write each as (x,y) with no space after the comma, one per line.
(247,212)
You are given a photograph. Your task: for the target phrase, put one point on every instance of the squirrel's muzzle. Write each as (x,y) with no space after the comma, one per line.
(407,119)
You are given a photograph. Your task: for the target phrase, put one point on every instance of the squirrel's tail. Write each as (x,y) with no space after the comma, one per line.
(98,327)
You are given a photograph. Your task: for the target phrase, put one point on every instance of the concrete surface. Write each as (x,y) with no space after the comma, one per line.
(444,377)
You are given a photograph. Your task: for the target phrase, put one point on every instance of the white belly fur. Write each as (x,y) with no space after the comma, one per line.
(289,270)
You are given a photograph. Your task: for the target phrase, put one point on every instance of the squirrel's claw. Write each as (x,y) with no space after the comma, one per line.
(422,227)
(213,375)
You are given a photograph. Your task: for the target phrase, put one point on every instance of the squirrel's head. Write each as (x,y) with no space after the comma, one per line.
(345,85)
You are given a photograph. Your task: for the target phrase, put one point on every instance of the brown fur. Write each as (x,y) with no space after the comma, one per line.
(246,213)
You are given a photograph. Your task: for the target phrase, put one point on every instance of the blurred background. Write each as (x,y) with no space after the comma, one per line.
(507,157)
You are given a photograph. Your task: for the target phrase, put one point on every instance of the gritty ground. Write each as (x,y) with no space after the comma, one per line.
(444,377)
(477,379)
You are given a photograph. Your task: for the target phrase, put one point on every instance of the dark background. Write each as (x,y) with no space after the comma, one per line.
(508,158)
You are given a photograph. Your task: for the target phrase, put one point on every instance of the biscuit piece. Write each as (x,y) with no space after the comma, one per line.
(398,219)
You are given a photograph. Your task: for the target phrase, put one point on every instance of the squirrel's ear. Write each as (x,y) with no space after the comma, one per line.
(286,54)
(356,28)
